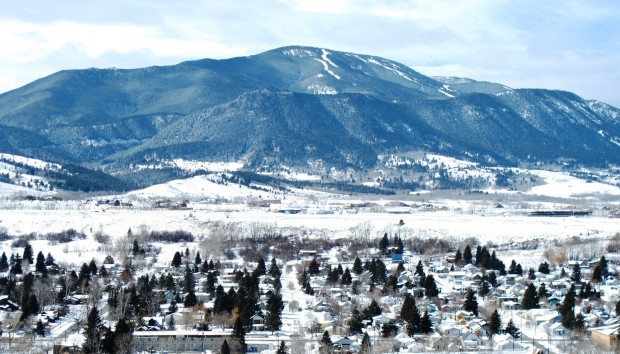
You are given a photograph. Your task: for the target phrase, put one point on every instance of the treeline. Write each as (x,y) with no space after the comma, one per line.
(78,178)
(171,236)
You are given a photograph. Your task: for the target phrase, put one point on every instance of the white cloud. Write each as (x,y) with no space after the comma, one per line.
(569,44)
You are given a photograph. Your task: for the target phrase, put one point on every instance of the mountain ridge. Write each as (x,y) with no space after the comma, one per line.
(299,106)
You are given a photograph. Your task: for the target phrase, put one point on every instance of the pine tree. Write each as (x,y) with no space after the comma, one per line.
(419,269)
(410,314)
(313,267)
(274,270)
(40,264)
(471,303)
(458,257)
(356,323)
(512,330)
(261,268)
(618,308)
(542,291)
(39,329)
(225,349)
(238,333)
(467,256)
(4,263)
(567,308)
(190,299)
(493,279)
(346,279)
(366,346)
(92,343)
(597,274)
(135,249)
(531,274)
(530,298)
(123,337)
(28,253)
(544,268)
(576,274)
(282,349)
(602,263)
(357,266)
(325,343)
(483,288)
(273,320)
(170,325)
(430,286)
(495,323)
(426,325)
(176,260)
(384,243)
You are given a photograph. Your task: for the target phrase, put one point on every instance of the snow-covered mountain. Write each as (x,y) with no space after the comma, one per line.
(306,107)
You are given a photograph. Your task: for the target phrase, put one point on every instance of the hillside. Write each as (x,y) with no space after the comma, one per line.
(297,106)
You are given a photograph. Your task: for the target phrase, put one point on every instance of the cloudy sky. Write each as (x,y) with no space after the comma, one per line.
(561,44)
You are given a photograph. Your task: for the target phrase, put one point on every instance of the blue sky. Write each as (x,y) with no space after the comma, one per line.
(571,45)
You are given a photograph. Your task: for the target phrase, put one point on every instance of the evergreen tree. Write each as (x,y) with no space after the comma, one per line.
(567,308)
(238,334)
(92,333)
(576,274)
(135,249)
(356,323)
(282,349)
(170,325)
(190,299)
(4,263)
(384,243)
(357,266)
(39,329)
(123,337)
(372,310)
(176,260)
(419,269)
(426,325)
(512,330)
(597,274)
(346,279)
(274,270)
(313,267)
(173,306)
(544,268)
(189,282)
(410,314)
(40,264)
(326,344)
(495,323)
(430,286)
(197,260)
(273,320)
(530,298)
(28,253)
(366,346)
(225,349)
(467,256)
(513,267)
(471,303)
(580,323)
(542,291)
(92,267)
(493,279)
(483,288)
(602,263)
(261,268)
(617,308)
(458,257)
(531,274)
